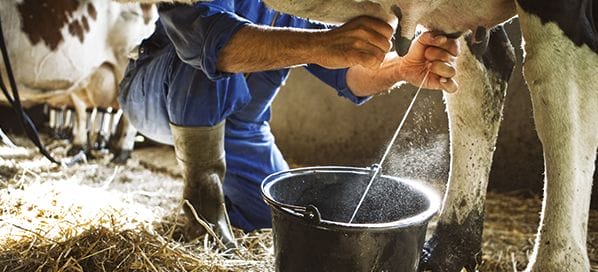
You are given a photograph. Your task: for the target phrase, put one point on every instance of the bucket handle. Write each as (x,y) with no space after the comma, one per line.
(310,213)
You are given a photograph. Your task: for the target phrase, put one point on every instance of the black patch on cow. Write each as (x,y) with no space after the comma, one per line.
(454,246)
(43,20)
(576,18)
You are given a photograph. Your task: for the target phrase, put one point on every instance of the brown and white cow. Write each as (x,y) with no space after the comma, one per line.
(72,53)
(561,68)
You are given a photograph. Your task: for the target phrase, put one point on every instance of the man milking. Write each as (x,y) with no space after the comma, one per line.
(205,80)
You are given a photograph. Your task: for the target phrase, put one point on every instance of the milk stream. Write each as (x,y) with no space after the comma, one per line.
(377,168)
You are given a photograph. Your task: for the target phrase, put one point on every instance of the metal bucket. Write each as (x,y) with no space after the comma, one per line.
(311,208)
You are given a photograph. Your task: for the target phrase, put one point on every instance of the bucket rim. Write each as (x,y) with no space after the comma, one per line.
(420,218)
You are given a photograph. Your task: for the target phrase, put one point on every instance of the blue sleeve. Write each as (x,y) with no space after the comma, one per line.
(336,79)
(200,31)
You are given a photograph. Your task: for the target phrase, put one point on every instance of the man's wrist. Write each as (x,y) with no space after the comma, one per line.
(396,65)
(313,47)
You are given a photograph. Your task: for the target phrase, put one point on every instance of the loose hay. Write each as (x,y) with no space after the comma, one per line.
(104,249)
(92,217)
(98,217)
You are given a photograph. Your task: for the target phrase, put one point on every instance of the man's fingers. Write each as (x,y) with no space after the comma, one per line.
(374,38)
(450,45)
(375,24)
(441,52)
(440,41)
(442,69)
(436,82)
(377,32)
(362,41)
(449,84)
(437,54)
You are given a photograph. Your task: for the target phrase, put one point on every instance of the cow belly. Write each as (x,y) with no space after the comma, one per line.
(333,11)
(445,15)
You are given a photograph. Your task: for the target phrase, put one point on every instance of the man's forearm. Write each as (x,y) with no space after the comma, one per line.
(361,41)
(259,48)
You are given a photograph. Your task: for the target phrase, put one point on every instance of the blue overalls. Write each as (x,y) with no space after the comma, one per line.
(175,81)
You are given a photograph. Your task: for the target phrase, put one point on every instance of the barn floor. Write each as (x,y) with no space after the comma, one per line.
(96,216)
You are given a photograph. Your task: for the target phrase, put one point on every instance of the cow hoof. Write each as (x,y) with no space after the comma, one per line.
(121,157)
(440,256)
(553,254)
(454,247)
(558,266)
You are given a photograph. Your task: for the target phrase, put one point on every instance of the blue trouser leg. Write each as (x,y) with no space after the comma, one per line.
(142,97)
(251,156)
(244,204)
(165,90)
(162,89)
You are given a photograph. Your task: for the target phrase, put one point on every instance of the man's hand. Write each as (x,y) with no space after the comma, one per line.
(362,41)
(433,52)
(429,52)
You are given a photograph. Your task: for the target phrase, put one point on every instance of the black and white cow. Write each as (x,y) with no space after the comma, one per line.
(561,70)
(72,53)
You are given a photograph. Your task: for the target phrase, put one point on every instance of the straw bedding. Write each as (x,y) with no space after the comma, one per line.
(100,217)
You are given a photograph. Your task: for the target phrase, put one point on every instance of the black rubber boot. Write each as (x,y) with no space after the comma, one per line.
(200,152)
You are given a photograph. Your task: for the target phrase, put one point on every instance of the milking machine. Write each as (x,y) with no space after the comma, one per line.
(100,124)
(61,122)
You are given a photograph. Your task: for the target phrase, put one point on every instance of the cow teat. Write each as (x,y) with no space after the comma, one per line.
(401,44)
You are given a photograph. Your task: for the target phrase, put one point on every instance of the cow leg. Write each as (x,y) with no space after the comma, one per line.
(123,141)
(563,84)
(94,128)
(474,115)
(58,114)
(79,127)
(101,92)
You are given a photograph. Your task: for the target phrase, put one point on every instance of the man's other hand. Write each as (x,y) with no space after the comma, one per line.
(361,41)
